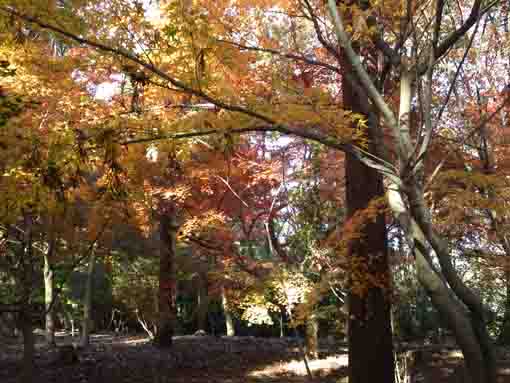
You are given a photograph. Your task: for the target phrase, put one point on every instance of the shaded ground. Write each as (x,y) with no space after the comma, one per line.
(207,359)
(193,359)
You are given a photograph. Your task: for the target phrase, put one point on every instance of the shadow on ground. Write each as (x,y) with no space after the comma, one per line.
(198,359)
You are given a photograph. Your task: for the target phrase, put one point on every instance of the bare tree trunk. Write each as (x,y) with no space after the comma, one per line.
(504,331)
(473,341)
(28,345)
(87,303)
(467,319)
(202,301)
(370,338)
(167,285)
(229,321)
(25,316)
(312,336)
(49,296)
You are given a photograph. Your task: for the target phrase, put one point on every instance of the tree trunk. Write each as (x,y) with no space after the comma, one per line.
(504,331)
(167,305)
(49,296)
(469,334)
(87,303)
(202,301)
(28,345)
(467,319)
(312,336)
(229,321)
(370,338)
(25,316)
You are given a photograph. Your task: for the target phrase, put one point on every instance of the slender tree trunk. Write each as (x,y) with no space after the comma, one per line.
(87,303)
(71,322)
(504,331)
(203,301)
(25,316)
(370,338)
(28,345)
(312,336)
(167,285)
(470,336)
(49,296)
(467,320)
(229,321)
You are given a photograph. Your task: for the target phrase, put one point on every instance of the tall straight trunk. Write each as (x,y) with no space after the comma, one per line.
(312,336)
(26,314)
(167,287)
(229,320)
(203,301)
(87,303)
(49,295)
(370,337)
(28,345)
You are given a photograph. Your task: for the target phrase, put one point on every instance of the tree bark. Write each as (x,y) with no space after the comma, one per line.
(167,286)
(312,336)
(28,345)
(25,315)
(229,320)
(504,331)
(202,301)
(370,338)
(480,366)
(87,303)
(49,296)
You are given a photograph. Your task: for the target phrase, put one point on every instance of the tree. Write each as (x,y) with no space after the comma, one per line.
(251,103)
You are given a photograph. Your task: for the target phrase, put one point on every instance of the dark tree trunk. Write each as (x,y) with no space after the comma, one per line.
(28,346)
(25,315)
(203,301)
(167,286)
(370,337)
(504,331)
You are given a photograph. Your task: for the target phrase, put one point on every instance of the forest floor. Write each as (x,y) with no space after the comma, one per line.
(208,359)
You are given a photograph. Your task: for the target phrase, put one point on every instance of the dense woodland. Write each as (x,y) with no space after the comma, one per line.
(315,171)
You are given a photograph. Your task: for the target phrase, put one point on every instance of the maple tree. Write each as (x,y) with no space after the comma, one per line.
(298,71)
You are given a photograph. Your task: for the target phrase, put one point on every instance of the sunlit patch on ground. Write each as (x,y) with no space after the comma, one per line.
(297,367)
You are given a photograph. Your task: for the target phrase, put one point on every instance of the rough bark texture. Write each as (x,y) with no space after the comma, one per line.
(370,337)
(167,286)
(87,303)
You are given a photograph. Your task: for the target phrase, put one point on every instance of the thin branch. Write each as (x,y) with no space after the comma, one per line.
(233,191)
(457,72)
(482,123)
(282,54)
(134,58)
